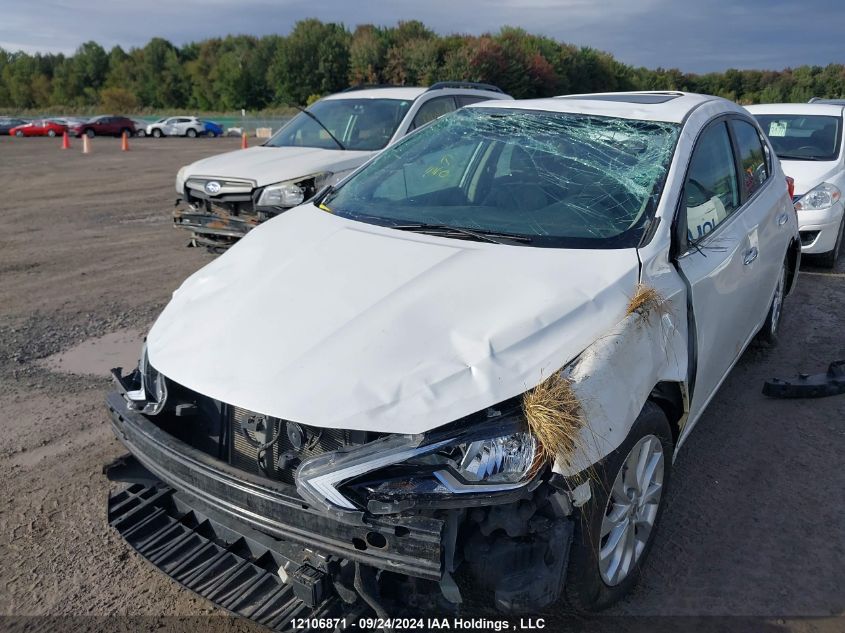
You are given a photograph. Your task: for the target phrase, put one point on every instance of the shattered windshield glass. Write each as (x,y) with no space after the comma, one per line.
(551,179)
(358,124)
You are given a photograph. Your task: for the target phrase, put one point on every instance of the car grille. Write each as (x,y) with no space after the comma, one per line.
(314,441)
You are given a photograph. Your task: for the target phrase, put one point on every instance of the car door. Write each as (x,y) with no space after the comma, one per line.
(719,258)
(766,210)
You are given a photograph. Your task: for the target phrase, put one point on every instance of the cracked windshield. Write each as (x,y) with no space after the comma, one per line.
(539,178)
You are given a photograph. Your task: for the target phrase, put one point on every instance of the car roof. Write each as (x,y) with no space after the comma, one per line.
(411,93)
(408,93)
(671,107)
(828,109)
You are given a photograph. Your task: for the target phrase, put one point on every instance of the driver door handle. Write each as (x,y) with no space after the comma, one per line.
(750,255)
(782,219)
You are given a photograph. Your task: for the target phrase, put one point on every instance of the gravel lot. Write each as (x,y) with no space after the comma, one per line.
(755,524)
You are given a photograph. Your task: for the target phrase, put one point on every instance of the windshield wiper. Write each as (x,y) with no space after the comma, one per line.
(796,157)
(480,235)
(320,123)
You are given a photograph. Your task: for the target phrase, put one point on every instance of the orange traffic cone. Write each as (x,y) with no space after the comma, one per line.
(65,140)
(243,141)
(86,144)
(124,144)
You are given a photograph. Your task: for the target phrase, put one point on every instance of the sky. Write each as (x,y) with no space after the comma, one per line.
(692,35)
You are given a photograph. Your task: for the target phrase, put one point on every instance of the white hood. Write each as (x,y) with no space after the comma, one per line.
(335,323)
(808,173)
(267,165)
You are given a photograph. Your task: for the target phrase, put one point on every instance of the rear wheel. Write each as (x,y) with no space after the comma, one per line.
(828,260)
(191,133)
(616,528)
(141,133)
(769,332)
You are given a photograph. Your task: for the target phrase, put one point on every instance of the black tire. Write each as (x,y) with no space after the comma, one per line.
(212,134)
(127,131)
(19,134)
(828,260)
(90,133)
(768,334)
(585,589)
(191,133)
(141,133)
(157,133)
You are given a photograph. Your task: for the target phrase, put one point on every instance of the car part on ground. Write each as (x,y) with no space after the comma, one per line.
(830,383)
(405,377)
(319,146)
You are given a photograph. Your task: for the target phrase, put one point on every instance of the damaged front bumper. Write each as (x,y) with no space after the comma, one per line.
(410,545)
(258,548)
(210,229)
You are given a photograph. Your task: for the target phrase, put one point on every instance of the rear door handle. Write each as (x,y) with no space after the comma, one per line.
(750,255)
(783,219)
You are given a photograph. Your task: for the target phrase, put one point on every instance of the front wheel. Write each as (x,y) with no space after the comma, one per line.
(156,133)
(19,134)
(615,530)
(51,133)
(212,134)
(140,133)
(90,133)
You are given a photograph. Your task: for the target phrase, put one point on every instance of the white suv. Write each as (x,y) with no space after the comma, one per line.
(224,196)
(189,126)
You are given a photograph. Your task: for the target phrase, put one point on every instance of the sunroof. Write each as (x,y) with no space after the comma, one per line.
(631,98)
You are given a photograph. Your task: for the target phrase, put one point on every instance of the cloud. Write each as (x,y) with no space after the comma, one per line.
(687,34)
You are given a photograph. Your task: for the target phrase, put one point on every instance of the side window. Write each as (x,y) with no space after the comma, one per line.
(752,157)
(468,99)
(711,191)
(433,109)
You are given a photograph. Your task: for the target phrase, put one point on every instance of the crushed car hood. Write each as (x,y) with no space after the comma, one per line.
(267,165)
(807,173)
(336,323)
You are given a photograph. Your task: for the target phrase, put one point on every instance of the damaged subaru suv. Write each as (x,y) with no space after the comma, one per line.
(463,371)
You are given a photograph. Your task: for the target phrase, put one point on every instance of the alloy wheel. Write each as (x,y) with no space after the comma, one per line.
(631,510)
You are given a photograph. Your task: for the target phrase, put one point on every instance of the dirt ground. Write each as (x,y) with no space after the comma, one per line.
(755,522)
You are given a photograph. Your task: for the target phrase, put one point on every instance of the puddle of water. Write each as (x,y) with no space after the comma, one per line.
(97,356)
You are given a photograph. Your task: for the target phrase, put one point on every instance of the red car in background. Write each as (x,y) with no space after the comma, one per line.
(38,128)
(105,126)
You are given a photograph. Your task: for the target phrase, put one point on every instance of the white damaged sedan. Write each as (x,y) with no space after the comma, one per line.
(472,361)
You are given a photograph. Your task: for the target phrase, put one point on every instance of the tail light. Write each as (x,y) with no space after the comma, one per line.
(790,187)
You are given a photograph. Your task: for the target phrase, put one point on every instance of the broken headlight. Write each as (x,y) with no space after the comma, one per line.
(401,471)
(151,387)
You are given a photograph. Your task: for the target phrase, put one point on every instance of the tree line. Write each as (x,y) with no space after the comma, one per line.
(317,58)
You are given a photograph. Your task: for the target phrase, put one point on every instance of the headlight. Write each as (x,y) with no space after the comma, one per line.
(285,194)
(151,392)
(180,179)
(398,472)
(821,197)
